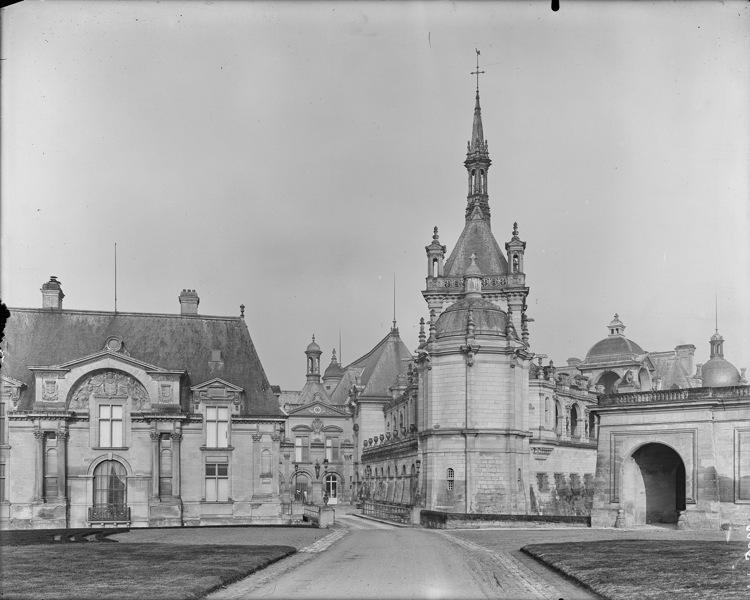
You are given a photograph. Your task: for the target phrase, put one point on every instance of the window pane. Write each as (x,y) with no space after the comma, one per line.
(221,435)
(222,493)
(104,412)
(211,434)
(223,414)
(298,453)
(117,433)
(117,412)
(223,470)
(210,490)
(210,470)
(105,440)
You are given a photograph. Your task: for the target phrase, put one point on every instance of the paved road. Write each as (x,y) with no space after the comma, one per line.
(367,559)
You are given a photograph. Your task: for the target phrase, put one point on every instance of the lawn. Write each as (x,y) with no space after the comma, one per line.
(127,571)
(652,569)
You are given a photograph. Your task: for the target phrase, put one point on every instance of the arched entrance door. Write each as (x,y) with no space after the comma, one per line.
(332,488)
(654,485)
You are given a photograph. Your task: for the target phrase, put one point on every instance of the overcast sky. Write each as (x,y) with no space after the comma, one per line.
(294,157)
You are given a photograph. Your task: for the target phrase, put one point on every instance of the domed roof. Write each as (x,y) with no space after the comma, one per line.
(719,372)
(613,347)
(312,346)
(488,318)
(334,370)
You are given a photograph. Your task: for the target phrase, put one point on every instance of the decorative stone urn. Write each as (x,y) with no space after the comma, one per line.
(388,435)
(382,437)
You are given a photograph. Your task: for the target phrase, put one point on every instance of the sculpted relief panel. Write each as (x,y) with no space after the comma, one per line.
(108,384)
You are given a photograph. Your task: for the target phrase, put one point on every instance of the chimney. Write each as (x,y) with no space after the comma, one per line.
(189,302)
(52,294)
(685,354)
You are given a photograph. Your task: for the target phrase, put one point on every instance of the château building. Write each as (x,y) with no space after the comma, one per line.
(134,419)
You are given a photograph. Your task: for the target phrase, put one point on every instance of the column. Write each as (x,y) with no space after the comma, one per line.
(255,488)
(39,472)
(287,484)
(176,443)
(62,464)
(275,439)
(154,464)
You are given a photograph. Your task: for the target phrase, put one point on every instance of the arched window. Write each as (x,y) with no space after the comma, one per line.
(435,267)
(482,182)
(592,425)
(450,478)
(573,421)
(110,492)
(558,418)
(389,472)
(403,470)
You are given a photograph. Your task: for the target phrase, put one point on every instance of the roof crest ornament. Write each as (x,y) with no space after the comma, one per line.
(477,72)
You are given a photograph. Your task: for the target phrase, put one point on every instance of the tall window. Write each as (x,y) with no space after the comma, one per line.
(332,449)
(110,491)
(217,482)
(546,410)
(2,482)
(573,422)
(2,424)
(217,426)
(302,448)
(50,467)
(332,486)
(110,426)
(558,419)
(165,465)
(450,477)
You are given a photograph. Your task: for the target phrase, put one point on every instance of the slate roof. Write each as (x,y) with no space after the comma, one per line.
(382,365)
(669,368)
(42,337)
(476,238)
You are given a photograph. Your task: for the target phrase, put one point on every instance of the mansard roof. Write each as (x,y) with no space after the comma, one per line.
(476,238)
(382,365)
(35,337)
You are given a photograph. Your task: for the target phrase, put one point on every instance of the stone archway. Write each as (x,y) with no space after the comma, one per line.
(653,485)
(608,381)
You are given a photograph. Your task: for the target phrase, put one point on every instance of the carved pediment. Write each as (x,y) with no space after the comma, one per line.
(108,384)
(216,389)
(318,409)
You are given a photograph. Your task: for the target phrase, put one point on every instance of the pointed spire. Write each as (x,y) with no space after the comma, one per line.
(477,162)
(422,336)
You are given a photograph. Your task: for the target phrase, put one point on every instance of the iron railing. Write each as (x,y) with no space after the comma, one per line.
(109,512)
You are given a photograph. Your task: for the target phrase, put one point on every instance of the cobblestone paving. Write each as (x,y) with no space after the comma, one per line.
(513,574)
(322,544)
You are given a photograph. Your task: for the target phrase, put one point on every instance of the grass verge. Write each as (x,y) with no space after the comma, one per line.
(127,571)
(651,569)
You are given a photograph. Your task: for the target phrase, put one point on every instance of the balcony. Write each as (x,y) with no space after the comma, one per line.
(109,513)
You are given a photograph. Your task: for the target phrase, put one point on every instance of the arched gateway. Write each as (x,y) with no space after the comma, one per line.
(654,484)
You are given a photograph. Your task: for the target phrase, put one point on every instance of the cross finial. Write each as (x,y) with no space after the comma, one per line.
(477,72)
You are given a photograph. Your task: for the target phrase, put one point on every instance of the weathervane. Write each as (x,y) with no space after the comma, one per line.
(477,72)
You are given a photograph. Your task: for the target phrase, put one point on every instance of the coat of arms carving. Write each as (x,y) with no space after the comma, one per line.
(108,384)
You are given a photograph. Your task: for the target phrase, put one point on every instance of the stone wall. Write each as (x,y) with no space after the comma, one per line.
(444,520)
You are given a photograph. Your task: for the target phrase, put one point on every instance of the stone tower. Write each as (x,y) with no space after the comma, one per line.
(473,393)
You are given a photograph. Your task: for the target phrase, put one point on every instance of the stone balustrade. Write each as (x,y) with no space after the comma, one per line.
(385,439)
(682,395)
